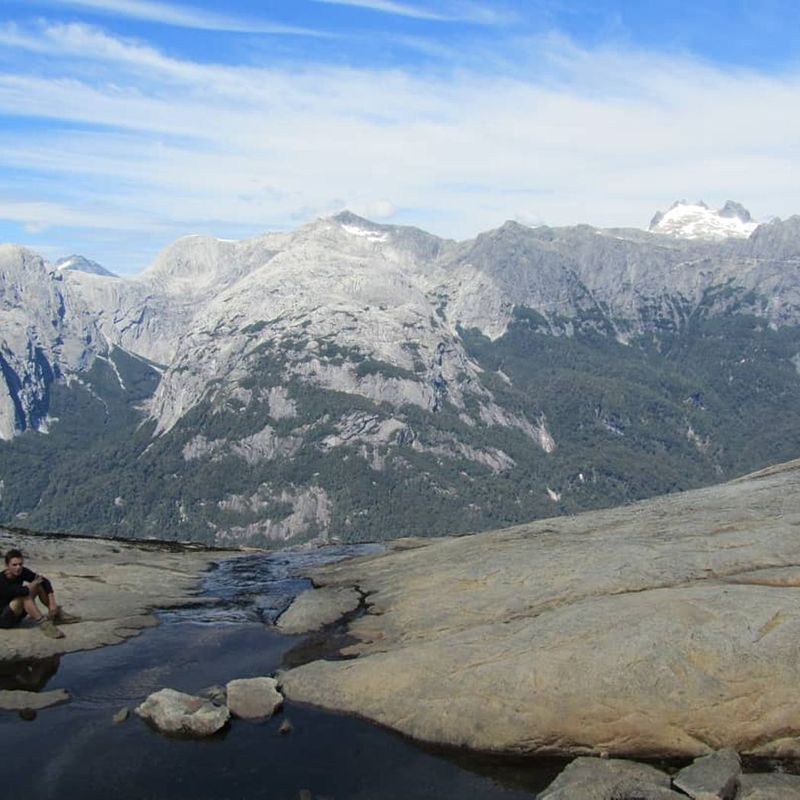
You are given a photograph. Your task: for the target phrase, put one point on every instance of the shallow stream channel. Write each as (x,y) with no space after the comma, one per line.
(77,751)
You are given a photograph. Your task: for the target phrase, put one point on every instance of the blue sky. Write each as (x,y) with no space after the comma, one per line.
(127,123)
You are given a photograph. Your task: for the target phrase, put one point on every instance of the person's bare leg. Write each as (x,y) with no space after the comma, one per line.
(32,610)
(48,600)
(30,607)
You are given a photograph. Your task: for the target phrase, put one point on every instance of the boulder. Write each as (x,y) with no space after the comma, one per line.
(669,627)
(769,787)
(609,779)
(182,714)
(711,777)
(18,700)
(254,698)
(315,608)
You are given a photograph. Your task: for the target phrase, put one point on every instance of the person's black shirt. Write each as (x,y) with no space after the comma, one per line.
(12,587)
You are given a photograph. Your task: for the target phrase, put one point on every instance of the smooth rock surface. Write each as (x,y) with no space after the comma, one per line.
(642,630)
(111,584)
(711,777)
(315,608)
(182,714)
(609,779)
(18,700)
(769,787)
(253,698)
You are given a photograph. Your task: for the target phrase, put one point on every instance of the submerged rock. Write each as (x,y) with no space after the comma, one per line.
(254,698)
(216,694)
(121,716)
(316,608)
(669,627)
(182,714)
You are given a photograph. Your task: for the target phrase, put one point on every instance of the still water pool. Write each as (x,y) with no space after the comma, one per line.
(76,751)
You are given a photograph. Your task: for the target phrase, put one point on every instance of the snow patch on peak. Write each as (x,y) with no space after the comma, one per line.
(697,221)
(372,236)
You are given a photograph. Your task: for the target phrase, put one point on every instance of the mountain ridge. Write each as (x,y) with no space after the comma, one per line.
(281,367)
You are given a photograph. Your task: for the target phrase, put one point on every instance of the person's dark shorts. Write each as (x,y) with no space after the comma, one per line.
(8,619)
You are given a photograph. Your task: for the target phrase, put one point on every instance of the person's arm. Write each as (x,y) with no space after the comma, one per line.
(8,591)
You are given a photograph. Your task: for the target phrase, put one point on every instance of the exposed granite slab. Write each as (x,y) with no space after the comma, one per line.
(20,700)
(112,585)
(642,630)
(315,608)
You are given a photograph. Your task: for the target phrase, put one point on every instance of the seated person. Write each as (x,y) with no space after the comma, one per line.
(20,588)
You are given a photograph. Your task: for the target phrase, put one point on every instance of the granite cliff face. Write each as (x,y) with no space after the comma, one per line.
(323,381)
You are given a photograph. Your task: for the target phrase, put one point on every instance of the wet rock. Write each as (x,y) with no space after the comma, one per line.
(216,694)
(254,698)
(18,700)
(315,608)
(182,714)
(120,716)
(769,787)
(286,727)
(711,777)
(609,779)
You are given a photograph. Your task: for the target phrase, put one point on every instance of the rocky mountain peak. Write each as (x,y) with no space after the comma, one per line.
(77,263)
(685,220)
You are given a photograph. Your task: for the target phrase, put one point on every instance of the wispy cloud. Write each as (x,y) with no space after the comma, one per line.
(454,12)
(183,16)
(138,140)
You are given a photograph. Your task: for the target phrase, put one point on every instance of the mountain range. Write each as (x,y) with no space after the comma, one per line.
(360,381)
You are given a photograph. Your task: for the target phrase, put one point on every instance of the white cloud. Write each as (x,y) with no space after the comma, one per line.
(598,136)
(476,13)
(388,7)
(182,16)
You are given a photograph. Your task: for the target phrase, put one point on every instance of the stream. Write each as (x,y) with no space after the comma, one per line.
(77,751)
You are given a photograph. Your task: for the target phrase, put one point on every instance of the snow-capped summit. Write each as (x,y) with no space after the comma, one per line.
(76,263)
(697,221)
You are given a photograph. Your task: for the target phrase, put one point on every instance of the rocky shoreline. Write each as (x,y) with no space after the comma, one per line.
(717,776)
(112,584)
(667,628)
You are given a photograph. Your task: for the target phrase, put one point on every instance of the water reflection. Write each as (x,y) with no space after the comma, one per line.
(28,674)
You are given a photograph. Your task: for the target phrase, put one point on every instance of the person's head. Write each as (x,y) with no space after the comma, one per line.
(14,562)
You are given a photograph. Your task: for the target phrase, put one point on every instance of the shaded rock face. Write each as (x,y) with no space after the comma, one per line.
(668,627)
(713,777)
(182,714)
(609,779)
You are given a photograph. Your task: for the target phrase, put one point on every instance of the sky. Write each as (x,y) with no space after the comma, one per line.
(125,124)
